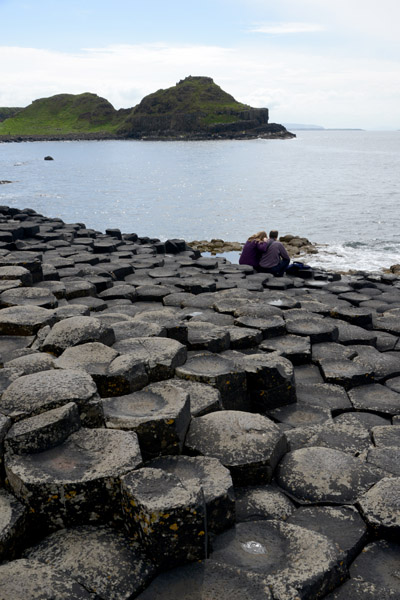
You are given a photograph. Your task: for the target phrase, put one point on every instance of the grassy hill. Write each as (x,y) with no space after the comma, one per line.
(195,104)
(7,111)
(195,108)
(63,114)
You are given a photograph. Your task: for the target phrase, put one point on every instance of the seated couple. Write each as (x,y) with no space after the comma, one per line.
(265,255)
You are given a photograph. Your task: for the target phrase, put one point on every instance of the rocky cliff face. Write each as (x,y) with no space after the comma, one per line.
(196,108)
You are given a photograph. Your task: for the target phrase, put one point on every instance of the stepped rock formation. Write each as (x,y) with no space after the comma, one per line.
(174,426)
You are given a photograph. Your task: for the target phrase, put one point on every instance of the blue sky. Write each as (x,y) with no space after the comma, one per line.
(331,63)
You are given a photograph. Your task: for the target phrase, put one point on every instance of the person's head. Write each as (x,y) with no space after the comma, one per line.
(273,234)
(258,237)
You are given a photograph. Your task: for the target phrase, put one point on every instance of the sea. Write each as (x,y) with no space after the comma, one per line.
(340,189)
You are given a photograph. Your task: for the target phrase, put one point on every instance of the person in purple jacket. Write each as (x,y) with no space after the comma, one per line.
(275,258)
(253,249)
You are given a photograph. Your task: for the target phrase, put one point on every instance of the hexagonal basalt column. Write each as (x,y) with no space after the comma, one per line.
(166,514)
(12,525)
(249,445)
(380,507)
(159,414)
(294,562)
(219,372)
(31,579)
(75,331)
(33,394)
(160,355)
(116,569)
(24,320)
(321,475)
(78,481)
(213,478)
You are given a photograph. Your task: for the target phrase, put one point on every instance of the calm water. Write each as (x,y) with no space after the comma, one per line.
(337,188)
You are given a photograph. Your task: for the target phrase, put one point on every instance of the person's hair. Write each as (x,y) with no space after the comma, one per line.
(258,237)
(273,234)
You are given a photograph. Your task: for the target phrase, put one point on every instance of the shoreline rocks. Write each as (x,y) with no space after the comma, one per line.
(221,431)
(295,245)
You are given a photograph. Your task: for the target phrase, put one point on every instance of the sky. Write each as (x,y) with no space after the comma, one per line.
(333,63)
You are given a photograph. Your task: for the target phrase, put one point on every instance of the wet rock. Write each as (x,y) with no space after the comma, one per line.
(249,445)
(159,414)
(341,524)
(33,394)
(207,580)
(44,431)
(315,475)
(272,549)
(75,331)
(262,502)
(166,514)
(215,480)
(76,482)
(115,571)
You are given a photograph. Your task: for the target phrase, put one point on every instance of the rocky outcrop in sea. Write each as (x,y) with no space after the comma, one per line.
(175,426)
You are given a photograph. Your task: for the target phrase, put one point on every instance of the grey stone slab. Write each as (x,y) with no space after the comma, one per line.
(207,580)
(357,589)
(102,560)
(33,394)
(161,356)
(204,398)
(213,478)
(166,514)
(377,398)
(317,330)
(352,438)
(30,580)
(384,364)
(13,526)
(262,502)
(364,418)
(76,482)
(159,414)
(270,327)
(294,347)
(75,331)
(297,415)
(346,373)
(390,324)
(386,436)
(331,351)
(32,363)
(24,320)
(138,328)
(44,431)
(387,459)
(323,395)
(322,475)
(307,374)
(342,524)
(378,565)
(244,337)
(207,336)
(272,549)
(393,383)
(250,445)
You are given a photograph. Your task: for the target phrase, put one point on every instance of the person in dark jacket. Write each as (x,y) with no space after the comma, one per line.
(253,249)
(275,258)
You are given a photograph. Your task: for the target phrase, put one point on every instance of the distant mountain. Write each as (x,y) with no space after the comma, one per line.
(195,108)
(297,126)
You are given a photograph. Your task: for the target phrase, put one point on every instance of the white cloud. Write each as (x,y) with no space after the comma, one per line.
(285,28)
(297,87)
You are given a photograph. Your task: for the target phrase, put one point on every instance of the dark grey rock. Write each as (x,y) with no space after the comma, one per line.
(272,549)
(159,414)
(100,559)
(76,482)
(387,459)
(294,347)
(378,565)
(207,336)
(341,524)
(31,363)
(297,415)
(323,395)
(43,431)
(75,331)
(33,394)
(213,478)
(30,580)
(262,502)
(321,475)
(346,373)
(377,398)
(24,320)
(13,526)
(204,398)
(250,445)
(270,327)
(166,514)
(386,436)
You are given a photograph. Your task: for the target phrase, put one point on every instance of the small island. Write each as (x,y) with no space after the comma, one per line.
(195,108)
